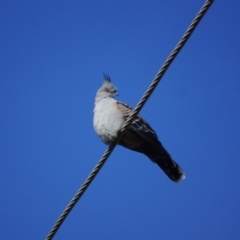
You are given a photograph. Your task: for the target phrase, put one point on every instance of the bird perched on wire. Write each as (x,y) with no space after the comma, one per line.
(109,117)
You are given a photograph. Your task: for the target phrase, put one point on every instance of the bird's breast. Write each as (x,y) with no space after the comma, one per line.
(107,121)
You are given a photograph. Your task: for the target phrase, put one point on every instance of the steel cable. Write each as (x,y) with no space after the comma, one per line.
(134,113)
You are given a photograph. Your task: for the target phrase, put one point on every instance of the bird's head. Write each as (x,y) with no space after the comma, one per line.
(108,89)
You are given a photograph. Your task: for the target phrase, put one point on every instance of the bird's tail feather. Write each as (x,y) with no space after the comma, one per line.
(162,158)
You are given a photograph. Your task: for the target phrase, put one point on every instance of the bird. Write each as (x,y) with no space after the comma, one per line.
(109,117)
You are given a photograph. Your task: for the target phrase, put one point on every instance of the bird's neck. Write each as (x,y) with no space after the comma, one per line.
(100,99)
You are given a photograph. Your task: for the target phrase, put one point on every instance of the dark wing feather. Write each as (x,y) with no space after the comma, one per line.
(142,138)
(139,125)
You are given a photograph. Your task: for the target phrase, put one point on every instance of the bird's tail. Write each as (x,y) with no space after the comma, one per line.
(162,158)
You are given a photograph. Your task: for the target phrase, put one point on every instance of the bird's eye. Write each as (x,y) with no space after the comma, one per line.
(106,90)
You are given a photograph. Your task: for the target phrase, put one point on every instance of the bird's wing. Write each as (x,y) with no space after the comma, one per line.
(142,138)
(139,125)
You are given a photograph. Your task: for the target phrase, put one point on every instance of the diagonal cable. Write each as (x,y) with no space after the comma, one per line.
(134,113)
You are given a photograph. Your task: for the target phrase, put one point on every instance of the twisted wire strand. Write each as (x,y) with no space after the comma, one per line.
(134,113)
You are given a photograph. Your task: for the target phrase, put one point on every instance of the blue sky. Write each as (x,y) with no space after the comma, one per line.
(53,54)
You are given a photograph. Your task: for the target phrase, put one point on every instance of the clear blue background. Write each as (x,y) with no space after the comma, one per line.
(53,54)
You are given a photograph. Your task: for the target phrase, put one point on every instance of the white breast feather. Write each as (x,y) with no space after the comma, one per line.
(108,120)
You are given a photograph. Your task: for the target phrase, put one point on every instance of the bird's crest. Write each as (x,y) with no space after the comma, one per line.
(106,77)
